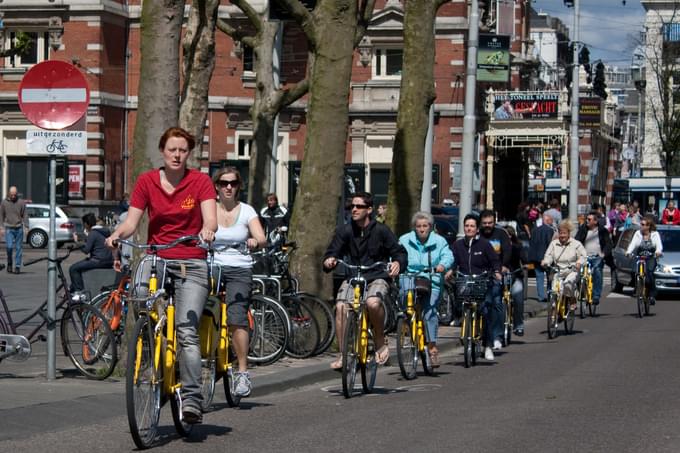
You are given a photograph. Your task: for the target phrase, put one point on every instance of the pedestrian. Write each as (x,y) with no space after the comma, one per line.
(523,223)
(554,211)
(671,215)
(540,240)
(179,201)
(14,222)
(382,213)
(274,217)
(99,255)
(598,244)
(517,260)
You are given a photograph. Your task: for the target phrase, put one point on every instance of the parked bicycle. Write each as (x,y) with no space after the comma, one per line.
(86,337)
(472,291)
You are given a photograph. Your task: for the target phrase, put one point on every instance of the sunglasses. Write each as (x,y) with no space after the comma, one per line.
(233,183)
(359,206)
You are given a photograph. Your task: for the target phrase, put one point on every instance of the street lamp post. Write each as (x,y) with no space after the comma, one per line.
(574,173)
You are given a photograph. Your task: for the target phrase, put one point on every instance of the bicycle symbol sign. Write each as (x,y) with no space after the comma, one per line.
(56,145)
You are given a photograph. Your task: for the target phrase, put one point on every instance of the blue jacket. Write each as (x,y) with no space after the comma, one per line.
(434,252)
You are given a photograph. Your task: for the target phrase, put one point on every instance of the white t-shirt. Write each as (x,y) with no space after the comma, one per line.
(238,232)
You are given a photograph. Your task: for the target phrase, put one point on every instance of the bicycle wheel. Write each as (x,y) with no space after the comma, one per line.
(110,304)
(476,337)
(142,385)
(569,320)
(445,307)
(271,327)
(369,368)
(646,298)
(304,331)
(208,378)
(507,325)
(466,334)
(182,428)
(582,298)
(427,363)
(640,293)
(325,319)
(88,341)
(406,349)
(233,400)
(350,354)
(552,317)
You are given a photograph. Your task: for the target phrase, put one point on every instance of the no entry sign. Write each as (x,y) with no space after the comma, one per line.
(54,95)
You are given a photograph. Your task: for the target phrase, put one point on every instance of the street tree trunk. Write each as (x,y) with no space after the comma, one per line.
(416,95)
(158,93)
(198,45)
(333,30)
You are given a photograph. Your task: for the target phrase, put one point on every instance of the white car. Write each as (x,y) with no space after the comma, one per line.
(67,223)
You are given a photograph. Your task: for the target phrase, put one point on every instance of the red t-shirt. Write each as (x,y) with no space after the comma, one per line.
(173,215)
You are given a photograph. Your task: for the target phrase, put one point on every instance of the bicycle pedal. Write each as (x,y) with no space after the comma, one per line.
(40,337)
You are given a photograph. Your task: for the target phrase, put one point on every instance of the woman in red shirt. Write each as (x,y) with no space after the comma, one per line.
(670,216)
(179,201)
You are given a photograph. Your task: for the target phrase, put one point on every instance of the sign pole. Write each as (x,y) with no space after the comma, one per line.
(52,277)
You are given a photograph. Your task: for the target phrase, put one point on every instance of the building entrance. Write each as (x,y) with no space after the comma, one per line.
(509,182)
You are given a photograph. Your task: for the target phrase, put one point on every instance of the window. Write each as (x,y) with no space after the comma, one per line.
(244,145)
(37,52)
(387,62)
(248,59)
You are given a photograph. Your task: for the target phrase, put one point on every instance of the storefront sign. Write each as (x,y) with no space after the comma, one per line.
(76,180)
(493,58)
(590,112)
(523,105)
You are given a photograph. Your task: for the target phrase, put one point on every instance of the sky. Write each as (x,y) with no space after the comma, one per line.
(607,27)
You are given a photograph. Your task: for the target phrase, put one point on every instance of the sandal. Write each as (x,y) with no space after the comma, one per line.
(382,355)
(434,359)
(337,365)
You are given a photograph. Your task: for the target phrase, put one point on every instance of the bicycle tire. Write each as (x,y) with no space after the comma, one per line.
(325,319)
(640,293)
(271,330)
(569,321)
(350,356)
(507,325)
(391,313)
(476,346)
(647,301)
(4,330)
(183,429)
(428,369)
(582,298)
(445,308)
(142,385)
(233,400)
(304,330)
(552,317)
(208,380)
(592,310)
(369,368)
(467,338)
(88,341)
(406,349)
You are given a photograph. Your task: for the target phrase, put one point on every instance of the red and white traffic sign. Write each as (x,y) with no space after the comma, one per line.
(54,95)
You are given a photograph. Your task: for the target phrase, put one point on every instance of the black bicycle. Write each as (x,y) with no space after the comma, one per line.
(86,337)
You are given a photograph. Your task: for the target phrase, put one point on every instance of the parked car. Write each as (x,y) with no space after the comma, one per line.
(446,226)
(667,271)
(67,223)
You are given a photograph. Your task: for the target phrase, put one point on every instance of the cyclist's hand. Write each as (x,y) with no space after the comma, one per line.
(251,243)
(393,269)
(658,254)
(439,268)
(330,262)
(449,275)
(110,242)
(504,269)
(117,266)
(207,235)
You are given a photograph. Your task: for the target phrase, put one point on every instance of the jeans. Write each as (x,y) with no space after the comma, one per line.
(14,239)
(597,267)
(540,282)
(494,313)
(429,309)
(76,271)
(517,292)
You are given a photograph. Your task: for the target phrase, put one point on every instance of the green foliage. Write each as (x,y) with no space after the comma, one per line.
(22,44)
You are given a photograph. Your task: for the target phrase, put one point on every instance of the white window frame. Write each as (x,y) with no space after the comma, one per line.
(247,138)
(379,55)
(42,46)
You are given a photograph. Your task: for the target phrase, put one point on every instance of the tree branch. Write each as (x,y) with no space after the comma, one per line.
(365,15)
(302,16)
(439,3)
(237,34)
(286,97)
(250,13)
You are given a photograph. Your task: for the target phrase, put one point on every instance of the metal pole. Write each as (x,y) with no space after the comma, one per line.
(469,120)
(276,75)
(574,155)
(52,277)
(638,141)
(426,194)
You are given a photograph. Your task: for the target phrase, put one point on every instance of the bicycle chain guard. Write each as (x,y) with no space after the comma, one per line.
(14,347)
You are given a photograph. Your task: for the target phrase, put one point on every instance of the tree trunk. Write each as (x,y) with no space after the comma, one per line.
(262,115)
(199,62)
(158,93)
(416,95)
(319,193)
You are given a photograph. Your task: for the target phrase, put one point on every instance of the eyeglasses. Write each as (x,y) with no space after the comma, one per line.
(226,183)
(359,206)
(644,224)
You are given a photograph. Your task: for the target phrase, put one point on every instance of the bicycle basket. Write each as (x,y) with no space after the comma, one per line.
(472,287)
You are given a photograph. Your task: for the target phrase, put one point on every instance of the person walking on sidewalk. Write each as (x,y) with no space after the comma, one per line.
(237,222)
(598,243)
(474,255)
(540,240)
(500,241)
(179,201)
(14,221)
(365,242)
(428,250)
(99,255)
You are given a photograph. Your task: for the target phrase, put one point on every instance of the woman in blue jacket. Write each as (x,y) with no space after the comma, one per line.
(427,249)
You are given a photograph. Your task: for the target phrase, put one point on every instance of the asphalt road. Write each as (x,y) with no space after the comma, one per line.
(610,387)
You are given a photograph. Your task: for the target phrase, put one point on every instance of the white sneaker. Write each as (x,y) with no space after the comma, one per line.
(243,385)
(488,354)
(497,345)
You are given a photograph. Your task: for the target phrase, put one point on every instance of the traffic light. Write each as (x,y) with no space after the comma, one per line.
(569,3)
(599,85)
(584,59)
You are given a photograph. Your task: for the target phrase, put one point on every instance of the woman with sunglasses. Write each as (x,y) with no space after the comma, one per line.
(237,222)
(179,201)
(647,239)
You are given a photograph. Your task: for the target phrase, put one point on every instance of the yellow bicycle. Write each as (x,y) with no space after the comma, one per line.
(558,308)
(585,289)
(411,339)
(472,290)
(641,290)
(152,374)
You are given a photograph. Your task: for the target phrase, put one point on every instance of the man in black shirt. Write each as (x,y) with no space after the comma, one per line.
(273,217)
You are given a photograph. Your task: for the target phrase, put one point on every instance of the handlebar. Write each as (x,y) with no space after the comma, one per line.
(213,248)
(154,248)
(57,260)
(360,268)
